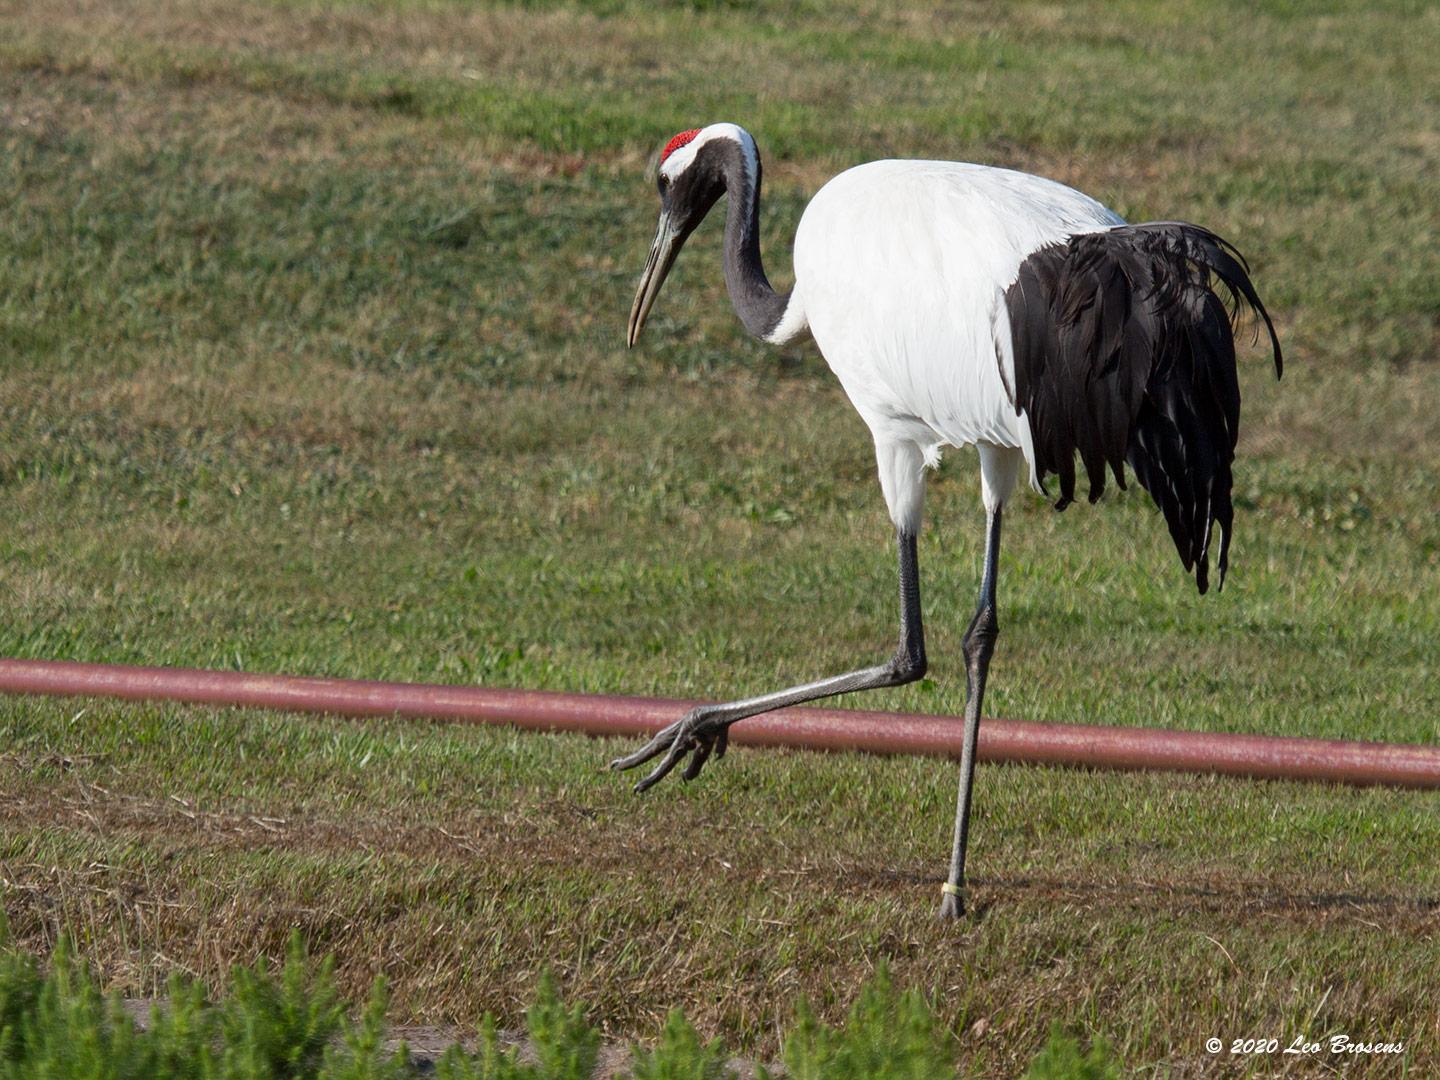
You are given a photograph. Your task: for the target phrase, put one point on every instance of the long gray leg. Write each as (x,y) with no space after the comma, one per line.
(704,729)
(979,643)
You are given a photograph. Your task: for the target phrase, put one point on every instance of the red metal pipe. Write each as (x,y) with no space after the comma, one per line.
(1091,746)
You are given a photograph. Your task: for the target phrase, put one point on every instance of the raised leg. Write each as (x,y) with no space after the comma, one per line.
(979,643)
(703,730)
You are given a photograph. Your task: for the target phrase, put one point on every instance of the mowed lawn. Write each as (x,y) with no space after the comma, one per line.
(311,325)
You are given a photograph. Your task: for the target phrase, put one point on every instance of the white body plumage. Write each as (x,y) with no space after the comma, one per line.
(901,269)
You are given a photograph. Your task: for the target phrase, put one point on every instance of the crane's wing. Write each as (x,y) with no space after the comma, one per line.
(1123,351)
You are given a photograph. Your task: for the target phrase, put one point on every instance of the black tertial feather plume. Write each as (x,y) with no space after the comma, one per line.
(1124,352)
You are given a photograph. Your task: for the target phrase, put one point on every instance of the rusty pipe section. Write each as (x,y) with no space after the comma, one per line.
(1271,757)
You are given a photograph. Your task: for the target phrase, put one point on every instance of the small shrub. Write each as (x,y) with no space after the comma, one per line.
(281,1028)
(361,1055)
(292,1026)
(490,1062)
(19,993)
(565,1046)
(70,1030)
(1062,1059)
(888,1035)
(184,1033)
(681,1055)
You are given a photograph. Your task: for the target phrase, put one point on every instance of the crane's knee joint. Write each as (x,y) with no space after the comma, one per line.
(980,639)
(907,667)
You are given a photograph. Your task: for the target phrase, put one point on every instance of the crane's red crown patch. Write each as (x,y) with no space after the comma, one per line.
(677,142)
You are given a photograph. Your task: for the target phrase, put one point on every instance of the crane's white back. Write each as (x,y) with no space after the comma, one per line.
(900,270)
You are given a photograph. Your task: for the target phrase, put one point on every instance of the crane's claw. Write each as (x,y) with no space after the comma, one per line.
(692,734)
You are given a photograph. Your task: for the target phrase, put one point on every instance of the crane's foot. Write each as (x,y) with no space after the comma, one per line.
(697,734)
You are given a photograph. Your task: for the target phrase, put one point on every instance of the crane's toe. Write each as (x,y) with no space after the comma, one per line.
(693,734)
(656,745)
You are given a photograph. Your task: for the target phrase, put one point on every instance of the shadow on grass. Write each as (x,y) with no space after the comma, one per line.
(1251,898)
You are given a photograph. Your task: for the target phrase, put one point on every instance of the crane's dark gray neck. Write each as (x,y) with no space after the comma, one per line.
(757,303)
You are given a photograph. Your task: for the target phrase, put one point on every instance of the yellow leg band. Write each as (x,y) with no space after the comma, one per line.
(951,890)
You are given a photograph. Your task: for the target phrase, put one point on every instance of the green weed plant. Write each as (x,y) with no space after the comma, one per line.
(291,1024)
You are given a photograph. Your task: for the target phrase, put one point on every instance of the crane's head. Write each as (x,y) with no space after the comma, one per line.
(691,179)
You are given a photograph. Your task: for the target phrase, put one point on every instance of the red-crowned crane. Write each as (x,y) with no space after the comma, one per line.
(962,304)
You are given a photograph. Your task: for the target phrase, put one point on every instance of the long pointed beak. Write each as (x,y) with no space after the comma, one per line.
(657,266)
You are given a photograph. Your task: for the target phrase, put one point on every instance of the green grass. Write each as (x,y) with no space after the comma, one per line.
(311,360)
